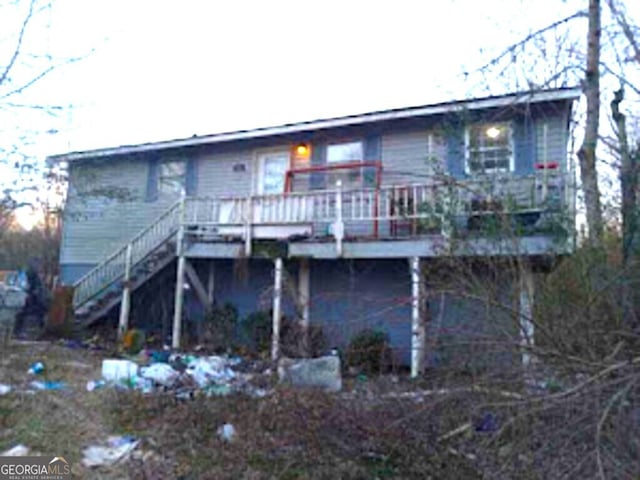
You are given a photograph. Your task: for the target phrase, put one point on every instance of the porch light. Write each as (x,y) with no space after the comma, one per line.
(493,132)
(302,150)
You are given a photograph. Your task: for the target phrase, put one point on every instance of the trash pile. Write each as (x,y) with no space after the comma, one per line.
(183,375)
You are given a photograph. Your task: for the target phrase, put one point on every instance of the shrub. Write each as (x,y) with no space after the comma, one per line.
(370,352)
(296,344)
(257,329)
(219,327)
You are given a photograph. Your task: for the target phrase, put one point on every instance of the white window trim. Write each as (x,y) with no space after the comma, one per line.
(512,163)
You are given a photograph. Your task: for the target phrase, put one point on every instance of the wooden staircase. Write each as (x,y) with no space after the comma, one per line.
(152,249)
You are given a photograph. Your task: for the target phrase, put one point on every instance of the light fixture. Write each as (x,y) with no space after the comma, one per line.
(493,132)
(302,149)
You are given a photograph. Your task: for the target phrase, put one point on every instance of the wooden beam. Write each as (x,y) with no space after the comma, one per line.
(197,285)
(418,334)
(277,310)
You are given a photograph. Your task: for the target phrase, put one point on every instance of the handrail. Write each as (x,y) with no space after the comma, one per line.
(112,268)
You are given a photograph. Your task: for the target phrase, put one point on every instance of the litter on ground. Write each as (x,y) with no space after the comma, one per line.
(117,448)
(16,451)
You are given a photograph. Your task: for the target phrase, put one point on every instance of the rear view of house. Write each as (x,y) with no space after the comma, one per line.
(332,222)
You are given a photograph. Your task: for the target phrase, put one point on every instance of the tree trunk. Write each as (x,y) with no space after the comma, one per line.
(587,152)
(628,180)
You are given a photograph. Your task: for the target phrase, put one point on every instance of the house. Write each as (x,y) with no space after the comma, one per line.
(335,219)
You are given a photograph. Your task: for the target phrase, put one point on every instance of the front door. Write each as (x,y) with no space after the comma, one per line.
(272,167)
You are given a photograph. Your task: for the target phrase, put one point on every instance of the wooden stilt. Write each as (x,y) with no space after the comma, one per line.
(179,297)
(125,304)
(418,335)
(277,310)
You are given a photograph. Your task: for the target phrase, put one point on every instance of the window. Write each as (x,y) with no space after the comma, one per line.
(489,148)
(345,153)
(172,176)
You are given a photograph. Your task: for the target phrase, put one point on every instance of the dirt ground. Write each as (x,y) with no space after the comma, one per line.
(370,430)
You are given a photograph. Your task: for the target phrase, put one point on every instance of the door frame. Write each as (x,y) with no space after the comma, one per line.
(259,165)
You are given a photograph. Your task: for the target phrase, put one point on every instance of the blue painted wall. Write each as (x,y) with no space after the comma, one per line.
(349,296)
(70,272)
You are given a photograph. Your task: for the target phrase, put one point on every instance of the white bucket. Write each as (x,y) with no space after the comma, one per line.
(117,370)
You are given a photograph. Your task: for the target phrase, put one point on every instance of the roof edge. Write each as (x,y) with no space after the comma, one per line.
(569,93)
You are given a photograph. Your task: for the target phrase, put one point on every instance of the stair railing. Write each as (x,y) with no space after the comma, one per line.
(113,267)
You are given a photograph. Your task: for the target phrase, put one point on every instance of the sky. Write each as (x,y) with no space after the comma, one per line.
(157,70)
(152,70)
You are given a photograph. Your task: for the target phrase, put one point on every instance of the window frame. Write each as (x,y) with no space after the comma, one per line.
(160,176)
(510,145)
(260,169)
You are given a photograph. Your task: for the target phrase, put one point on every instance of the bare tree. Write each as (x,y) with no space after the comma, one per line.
(26,60)
(587,151)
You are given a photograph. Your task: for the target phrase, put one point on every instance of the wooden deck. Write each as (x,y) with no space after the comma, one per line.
(424,220)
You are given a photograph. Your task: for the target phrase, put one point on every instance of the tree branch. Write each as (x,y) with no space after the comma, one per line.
(16,51)
(531,36)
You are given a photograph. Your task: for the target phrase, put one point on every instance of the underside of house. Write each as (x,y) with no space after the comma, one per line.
(342,223)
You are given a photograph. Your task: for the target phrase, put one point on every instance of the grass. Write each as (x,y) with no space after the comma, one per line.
(291,434)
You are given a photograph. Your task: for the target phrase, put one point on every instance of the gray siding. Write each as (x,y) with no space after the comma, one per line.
(106,206)
(217,178)
(411,157)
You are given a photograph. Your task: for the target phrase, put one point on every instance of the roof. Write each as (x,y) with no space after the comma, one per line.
(560,94)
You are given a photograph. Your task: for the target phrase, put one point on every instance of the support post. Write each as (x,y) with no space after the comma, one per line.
(527,288)
(125,304)
(179,297)
(418,335)
(304,289)
(248,225)
(338,227)
(277,309)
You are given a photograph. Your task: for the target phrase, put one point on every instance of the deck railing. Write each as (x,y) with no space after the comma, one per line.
(365,204)
(439,201)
